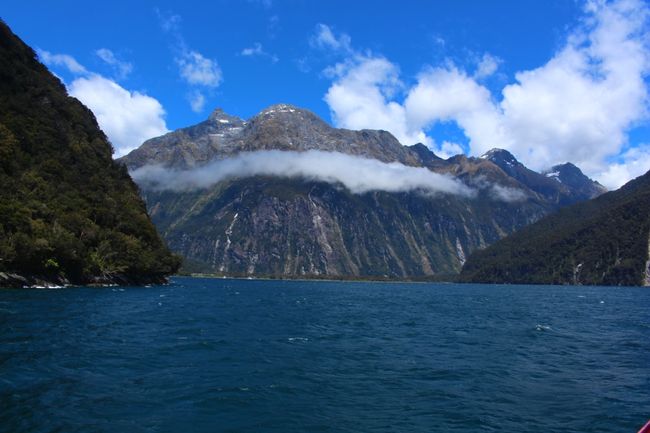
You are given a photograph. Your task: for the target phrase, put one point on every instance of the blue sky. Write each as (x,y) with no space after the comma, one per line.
(549,80)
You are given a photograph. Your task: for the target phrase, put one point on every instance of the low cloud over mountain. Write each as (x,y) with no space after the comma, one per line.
(357,174)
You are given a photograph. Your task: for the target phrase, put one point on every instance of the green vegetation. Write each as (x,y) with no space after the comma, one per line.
(599,242)
(67,210)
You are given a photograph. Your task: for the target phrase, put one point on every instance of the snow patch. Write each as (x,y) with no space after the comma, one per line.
(224,121)
(554,175)
(279,109)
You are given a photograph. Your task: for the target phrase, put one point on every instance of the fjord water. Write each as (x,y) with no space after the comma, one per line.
(209,355)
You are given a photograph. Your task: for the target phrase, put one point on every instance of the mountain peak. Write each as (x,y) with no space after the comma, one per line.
(567,167)
(286,113)
(500,155)
(570,175)
(282,108)
(220,116)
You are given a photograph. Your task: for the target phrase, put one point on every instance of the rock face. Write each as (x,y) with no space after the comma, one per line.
(277,226)
(603,241)
(68,212)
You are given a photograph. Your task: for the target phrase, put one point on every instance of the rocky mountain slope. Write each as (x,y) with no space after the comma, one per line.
(68,213)
(605,241)
(277,225)
(562,184)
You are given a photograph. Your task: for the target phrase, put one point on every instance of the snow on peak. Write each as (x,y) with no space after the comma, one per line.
(279,108)
(554,175)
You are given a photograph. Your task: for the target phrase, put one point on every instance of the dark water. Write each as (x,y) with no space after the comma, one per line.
(207,355)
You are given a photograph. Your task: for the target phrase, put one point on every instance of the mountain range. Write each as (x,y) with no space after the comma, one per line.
(284,194)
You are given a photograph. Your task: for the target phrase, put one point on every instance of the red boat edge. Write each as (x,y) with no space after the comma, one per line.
(645,428)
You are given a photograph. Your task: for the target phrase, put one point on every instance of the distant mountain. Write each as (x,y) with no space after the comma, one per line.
(563,184)
(68,213)
(276,225)
(605,241)
(575,181)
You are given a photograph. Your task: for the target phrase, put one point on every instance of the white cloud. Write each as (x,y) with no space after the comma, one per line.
(358,99)
(122,68)
(487,66)
(357,174)
(197,101)
(577,107)
(325,38)
(128,118)
(449,94)
(257,51)
(507,194)
(64,60)
(199,70)
(448,149)
(634,163)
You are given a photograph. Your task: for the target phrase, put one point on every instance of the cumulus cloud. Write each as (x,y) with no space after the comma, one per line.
(357,174)
(358,99)
(449,94)
(632,163)
(199,70)
(447,149)
(128,118)
(122,68)
(363,91)
(64,60)
(577,107)
(580,104)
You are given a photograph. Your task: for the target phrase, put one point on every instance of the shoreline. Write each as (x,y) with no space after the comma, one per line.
(15,280)
(447,279)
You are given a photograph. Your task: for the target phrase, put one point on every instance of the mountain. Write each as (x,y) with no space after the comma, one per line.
(313,223)
(563,184)
(68,212)
(605,241)
(572,177)
(279,127)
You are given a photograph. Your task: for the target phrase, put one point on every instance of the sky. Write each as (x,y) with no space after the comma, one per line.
(549,80)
